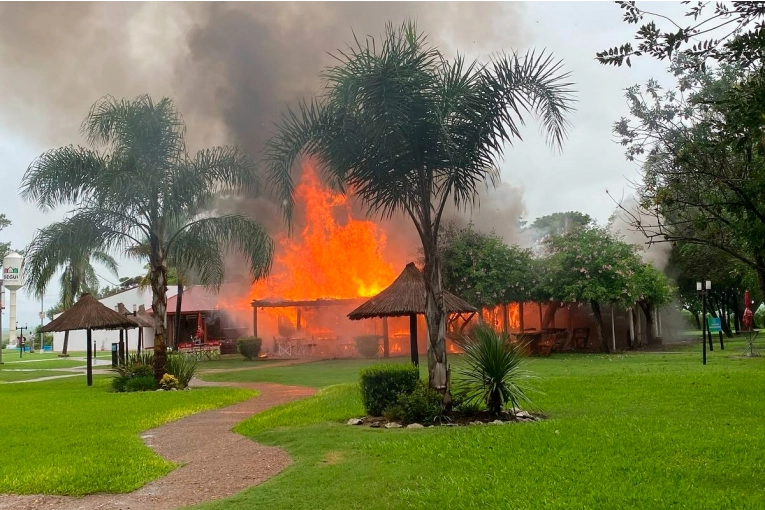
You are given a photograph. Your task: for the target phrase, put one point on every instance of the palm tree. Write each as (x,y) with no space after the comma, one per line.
(137,183)
(51,250)
(408,130)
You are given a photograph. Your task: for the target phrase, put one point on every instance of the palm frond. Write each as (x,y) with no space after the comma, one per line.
(105,260)
(200,247)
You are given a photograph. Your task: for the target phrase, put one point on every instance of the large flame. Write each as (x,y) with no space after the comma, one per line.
(333,256)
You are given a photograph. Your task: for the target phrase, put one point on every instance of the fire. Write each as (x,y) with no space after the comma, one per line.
(333,256)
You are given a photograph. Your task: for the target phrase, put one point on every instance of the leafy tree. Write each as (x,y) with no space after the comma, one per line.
(593,266)
(559,223)
(4,247)
(482,269)
(704,163)
(135,184)
(408,130)
(54,249)
(728,31)
(654,290)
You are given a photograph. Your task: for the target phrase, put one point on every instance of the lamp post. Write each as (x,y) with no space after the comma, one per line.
(702,288)
(2,307)
(42,316)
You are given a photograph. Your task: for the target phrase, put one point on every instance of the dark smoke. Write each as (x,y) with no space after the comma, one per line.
(232,68)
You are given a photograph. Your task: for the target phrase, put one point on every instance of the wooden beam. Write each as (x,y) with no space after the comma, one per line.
(520,316)
(254,321)
(413,340)
(386,342)
(90,358)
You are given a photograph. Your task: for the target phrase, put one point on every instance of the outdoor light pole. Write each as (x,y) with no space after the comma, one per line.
(42,316)
(702,288)
(2,307)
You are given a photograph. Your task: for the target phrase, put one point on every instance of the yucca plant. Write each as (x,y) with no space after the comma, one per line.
(182,366)
(492,371)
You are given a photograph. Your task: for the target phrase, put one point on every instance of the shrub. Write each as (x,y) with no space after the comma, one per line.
(141,383)
(368,345)
(464,405)
(168,382)
(382,384)
(142,358)
(182,366)
(492,370)
(119,383)
(424,404)
(249,346)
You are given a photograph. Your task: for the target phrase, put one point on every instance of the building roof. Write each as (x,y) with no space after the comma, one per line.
(406,296)
(88,313)
(198,298)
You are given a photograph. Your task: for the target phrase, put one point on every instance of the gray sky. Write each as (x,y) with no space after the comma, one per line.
(575,179)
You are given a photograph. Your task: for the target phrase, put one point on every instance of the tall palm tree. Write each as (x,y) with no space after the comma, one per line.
(408,130)
(52,250)
(137,182)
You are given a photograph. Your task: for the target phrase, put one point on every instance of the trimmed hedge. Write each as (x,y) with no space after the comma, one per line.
(249,346)
(382,384)
(423,405)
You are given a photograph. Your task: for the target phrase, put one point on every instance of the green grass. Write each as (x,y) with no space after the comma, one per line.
(14,375)
(638,430)
(235,362)
(317,374)
(42,364)
(61,437)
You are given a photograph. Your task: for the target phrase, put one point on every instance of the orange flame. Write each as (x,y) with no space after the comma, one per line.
(328,258)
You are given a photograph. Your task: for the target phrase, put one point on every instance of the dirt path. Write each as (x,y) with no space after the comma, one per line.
(215,462)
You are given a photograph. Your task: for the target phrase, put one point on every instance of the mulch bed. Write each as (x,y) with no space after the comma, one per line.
(453,419)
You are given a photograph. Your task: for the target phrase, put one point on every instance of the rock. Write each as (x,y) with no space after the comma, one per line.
(523,414)
(476,422)
(415,426)
(159,389)
(393,425)
(497,422)
(355,421)
(173,389)
(375,424)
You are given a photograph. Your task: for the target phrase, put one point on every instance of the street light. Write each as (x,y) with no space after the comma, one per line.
(702,288)
(41,314)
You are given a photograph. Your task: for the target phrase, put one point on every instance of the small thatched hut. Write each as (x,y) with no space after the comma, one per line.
(87,313)
(406,297)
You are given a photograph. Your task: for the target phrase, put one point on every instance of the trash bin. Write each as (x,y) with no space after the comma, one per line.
(115,354)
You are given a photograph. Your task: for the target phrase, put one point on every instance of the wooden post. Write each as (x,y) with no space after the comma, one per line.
(505,319)
(298,321)
(127,343)
(413,340)
(90,358)
(386,343)
(254,321)
(122,347)
(140,339)
(540,316)
(520,316)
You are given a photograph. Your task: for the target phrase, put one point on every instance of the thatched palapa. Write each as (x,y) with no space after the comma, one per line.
(88,313)
(406,296)
(141,318)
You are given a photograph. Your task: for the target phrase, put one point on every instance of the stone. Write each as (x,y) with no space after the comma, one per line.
(159,389)
(392,425)
(173,389)
(523,414)
(415,426)
(497,422)
(476,422)
(355,421)
(375,424)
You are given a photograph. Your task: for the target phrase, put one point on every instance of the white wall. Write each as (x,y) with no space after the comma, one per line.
(105,338)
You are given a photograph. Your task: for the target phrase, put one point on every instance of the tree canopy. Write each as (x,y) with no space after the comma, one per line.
(138,182)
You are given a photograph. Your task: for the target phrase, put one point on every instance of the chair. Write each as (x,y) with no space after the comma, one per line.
(580,338)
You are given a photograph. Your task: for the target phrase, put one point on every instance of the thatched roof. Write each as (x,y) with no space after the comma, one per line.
(88,313)
(141,318)
(406,296)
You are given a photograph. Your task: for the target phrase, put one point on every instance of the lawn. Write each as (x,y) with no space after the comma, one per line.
(25,375)
(61,437)
(41,364)
(637,430)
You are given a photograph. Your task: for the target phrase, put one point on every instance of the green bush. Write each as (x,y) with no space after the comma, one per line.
(368,345)
(168,382)
(759,316)
(249,346)
(142,358)
(119,383)
(182,367)
(464,405)
(423,405)
(382,384)
(141,383)
(492,371)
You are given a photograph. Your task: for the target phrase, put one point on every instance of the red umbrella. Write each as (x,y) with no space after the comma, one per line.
(748,318)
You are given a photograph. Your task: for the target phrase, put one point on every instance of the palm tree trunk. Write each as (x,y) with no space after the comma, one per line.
(648,312)
(599,323)
(158,279)
(66,343)
(177,322)
(435,316)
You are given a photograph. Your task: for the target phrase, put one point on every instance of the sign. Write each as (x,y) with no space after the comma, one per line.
(12,271)
(714,324)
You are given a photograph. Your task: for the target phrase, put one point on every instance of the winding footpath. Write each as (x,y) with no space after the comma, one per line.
(215,462)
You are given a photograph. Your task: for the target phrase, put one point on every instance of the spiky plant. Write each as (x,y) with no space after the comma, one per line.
(492,370)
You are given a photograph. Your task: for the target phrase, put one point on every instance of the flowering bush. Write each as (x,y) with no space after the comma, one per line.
(168,382)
